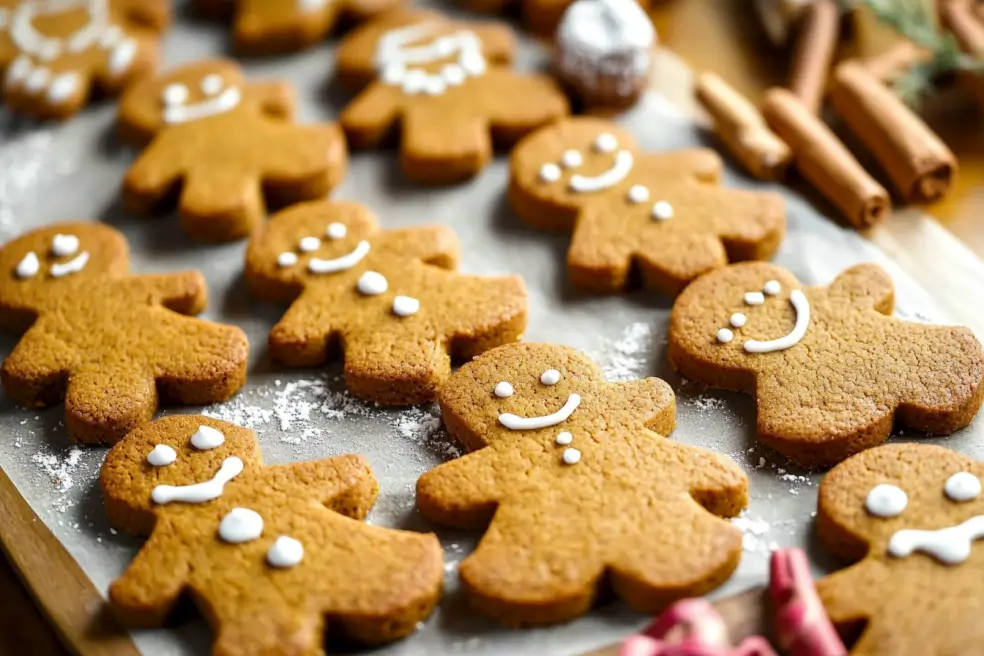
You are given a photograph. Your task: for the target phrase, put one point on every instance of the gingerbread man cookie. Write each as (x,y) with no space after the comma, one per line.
(662,213)
(112,346)
(542,16)
(228,144)
(55,52)
(831,369)
(580,490)
(391,300)
(449,88)
(910,513)
(275,557)
(264,27)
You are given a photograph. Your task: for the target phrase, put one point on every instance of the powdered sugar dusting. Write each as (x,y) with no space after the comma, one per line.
(24,171)
(753,532)
(61,471)
(626,358)
(423,426)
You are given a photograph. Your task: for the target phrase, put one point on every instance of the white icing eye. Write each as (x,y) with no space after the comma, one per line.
(372,284)
(571,456)
(336,230)
(504,390)
(963,486)
(572,159)
(29,266)
(287,259)
(754,298)
(309,244)
(738,320)
(662,211)
(161,456)
(886,501)
(549,173)
(550,377)
(606,143)
(212,84)
(564,438)
(240,525)
(724,336)
(638,194)
(207,438)
(772,287)
(405,306)
(175,94)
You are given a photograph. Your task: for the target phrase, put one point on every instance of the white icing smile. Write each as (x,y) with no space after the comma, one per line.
(200,492)
(343,263)
(949,546)
(515,422)
(613,176)
(176,111)
(802,307)
(401,65)
(72,266)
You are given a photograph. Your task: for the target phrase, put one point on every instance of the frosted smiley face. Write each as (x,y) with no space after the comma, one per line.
(754,298)
(166,456)
(514,422)
(64,257)
(213,95)
(420,60)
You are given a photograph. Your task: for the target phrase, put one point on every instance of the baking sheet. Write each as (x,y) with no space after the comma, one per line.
(50,173)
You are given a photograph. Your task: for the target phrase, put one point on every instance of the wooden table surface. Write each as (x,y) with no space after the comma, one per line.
(718,35)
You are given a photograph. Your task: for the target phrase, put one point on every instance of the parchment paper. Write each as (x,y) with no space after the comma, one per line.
(73,171)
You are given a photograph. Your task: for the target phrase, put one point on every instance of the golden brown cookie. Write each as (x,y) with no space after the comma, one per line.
(274,26)
(449,89)
(830,368)
(112,346)
(542,16)
(911,514)
(56,53)
(390,300)
(580,490)
(229,145)
(274,557)
(662,213)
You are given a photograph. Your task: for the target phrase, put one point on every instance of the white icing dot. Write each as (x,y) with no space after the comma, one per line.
(606,143)
(504,390)
(122,56)
(63,87)
(564,438)
(372,284)
(738,320)
(405,306)
(638,194)
(50,49)
(724,336)
(549,173)
(662,211)
(772,287)
(435,85)
(240,525)
(285,552)
(453,74)
(336,230)
(287,259)
(29,266)
(571,159)
(754,298)
(572,456)
(175,94)
(473,62)
(212,84)
(309,244)
(886,501)
(550,377)
(394,72)
(110,36)
(963,486)
(414,81)
(64,245)
(37,79)
(161,456)
(19,70)
(207,438)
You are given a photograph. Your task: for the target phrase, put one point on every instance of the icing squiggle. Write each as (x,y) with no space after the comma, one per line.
(200,492)
(515,422)
(613,176)
(802,306)
(317,265)
(950,546)
(175,114)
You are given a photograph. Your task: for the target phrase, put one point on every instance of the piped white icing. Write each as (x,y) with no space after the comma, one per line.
(550,377)
(515,422)
(207,438)
(200,492)
(405,306)
(211,84)
(613,176)
(571,456)
(738,320)
(287,259)
(343,263)
(285,552)
(336,230)
(174,94)
(399,63)
(772,287)
(754,298)
(121,57)
(564,438)
(802,306)
(372,283)
(29,266)
(662,211)
(72,266)
(571,159)
(550,173)
(638,194)
(309,244)
(64,245)
(886,501)
(962,486)
(950,546)
(503,390)
(63,88)
(161,455)
(725,335)
(183,113)
(240,525)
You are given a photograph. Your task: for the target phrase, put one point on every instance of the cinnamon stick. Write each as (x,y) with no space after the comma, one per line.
(919,164)
(742,129)
(825,162)
(960,17)
(814,53)
(890,64)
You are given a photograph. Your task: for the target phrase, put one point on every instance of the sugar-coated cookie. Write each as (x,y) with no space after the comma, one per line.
(56,53)
(662,213)
(911,515)
(581,489)
(389,300)
(447,86)
(274,557)
(112,346)
(830,368)
(230,146)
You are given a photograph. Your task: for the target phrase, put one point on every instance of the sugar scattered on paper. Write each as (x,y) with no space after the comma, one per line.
(752,532)
(423,426)
(61,471)
(626,358)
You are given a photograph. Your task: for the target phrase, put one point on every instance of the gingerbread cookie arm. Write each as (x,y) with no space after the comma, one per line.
(302,338)
(105,401)
(484,313)
(396,368)
(276,99)
(435,245)
(865,286)
(263,27)
(543,102)
(846,594)
(439,147)
(184,293)
(369,119)
(464,493)
(37,367)
(150,587)
(152,14)
(651,400)
(306,163)
(155,172)
(344,484)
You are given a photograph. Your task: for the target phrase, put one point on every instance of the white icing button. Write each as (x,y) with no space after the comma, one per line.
(724,336)
(372,284)
(122,57)
(572,159)
(572,456)
(240,525)
(336,230)
(38,79)
(63,87)
(393,73)
(453,74)
(738,320)
(404,306)
(19,70)
(638,194)
(161,456)
(606,143)
(414,81)
(285,552)
(549,173)
(287,259)
(175,94)
(110,36)
(435,85)
(963,486)
(772,287)
(504,390)
(64,245)
(550,377)
(662,211)
(309,244)
(212,84)
(564,438)
(29,266)
(50,49)
(886,501)
(754,298)
(207,438)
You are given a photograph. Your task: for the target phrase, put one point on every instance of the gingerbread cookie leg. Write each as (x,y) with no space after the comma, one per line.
(370,119)
(151,586)
(463,493)
(153,176)
(219,205)
(210,369)
(35,382)
(302,338)
(413,370)
(264,28)
(105,402)
(441,149)
(296,170)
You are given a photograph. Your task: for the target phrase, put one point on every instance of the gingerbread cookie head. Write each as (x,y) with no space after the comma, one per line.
(38,264)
